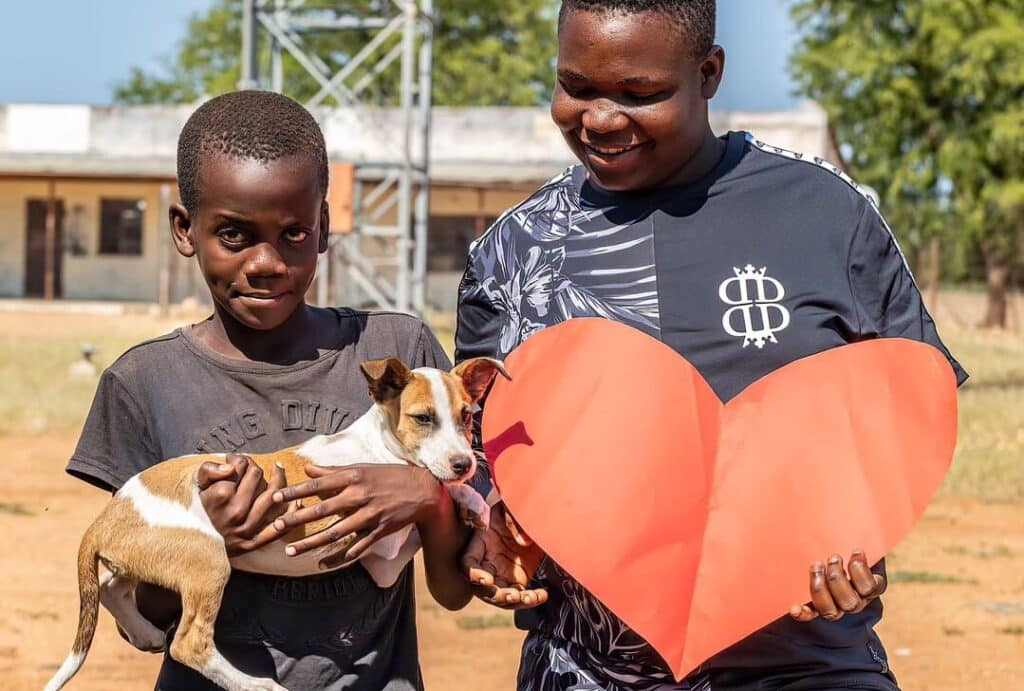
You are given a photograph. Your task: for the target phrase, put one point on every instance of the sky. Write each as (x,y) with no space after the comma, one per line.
(69,51)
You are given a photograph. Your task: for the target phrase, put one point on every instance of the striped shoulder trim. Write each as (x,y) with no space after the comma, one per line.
(862,190)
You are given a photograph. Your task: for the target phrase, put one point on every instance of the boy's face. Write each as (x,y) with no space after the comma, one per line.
(256,233)
(630,97)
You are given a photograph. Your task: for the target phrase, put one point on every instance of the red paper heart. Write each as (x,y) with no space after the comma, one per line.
(619,460)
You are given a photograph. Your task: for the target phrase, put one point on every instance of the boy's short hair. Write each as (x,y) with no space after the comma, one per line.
(260,125)
(695,19)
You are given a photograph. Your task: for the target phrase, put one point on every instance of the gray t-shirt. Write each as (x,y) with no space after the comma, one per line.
(173,396)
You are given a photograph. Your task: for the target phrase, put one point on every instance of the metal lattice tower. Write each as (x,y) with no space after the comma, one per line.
(384,258)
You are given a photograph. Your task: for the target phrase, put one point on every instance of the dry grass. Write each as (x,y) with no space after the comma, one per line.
(990,454)
(39,396)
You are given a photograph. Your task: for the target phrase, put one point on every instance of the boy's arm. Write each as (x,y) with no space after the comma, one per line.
(444,536)
(887,304)
(115,443)
(885,298)
(114,446)
(499,561)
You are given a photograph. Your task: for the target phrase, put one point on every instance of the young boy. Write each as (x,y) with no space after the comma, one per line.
(740,256)
(266,371)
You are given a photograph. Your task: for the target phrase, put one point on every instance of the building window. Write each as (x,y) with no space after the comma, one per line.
(121,226)
(449,238)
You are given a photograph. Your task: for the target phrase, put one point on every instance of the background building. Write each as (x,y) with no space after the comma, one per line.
(84,190)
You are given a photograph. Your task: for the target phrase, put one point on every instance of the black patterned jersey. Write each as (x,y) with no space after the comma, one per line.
(769,258)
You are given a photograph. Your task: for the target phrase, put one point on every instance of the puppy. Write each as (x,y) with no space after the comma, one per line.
(155,528)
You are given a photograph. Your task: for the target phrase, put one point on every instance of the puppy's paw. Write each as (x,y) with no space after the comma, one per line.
(148,639)
(473,508)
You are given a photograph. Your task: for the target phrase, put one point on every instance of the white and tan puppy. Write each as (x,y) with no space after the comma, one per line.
(155,529)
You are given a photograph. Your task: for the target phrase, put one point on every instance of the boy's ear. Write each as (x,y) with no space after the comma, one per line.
(325,227)
(711,69)
(387,378)
(181,230)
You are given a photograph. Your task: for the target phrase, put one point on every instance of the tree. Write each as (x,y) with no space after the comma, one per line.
(928,95)
(486,52)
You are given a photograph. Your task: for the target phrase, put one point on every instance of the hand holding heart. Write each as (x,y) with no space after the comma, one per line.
(500,561)
(837,591)
(620,460)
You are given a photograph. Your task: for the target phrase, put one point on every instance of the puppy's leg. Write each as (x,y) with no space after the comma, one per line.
(473,508)
(117,594)
(193,645)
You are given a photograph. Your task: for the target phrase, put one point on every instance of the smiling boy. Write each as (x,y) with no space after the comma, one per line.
(740,256)
(265,372)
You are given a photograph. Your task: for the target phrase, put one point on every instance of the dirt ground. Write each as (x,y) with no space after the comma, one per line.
(955,611)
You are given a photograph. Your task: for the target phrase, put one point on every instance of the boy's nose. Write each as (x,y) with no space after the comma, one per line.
(604,118)
(265,261)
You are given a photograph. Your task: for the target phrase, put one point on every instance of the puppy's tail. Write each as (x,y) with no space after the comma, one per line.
(88,611)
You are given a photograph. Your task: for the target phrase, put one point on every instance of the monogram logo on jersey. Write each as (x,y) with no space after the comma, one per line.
(756,312)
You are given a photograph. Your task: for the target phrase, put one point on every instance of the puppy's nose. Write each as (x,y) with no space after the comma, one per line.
(461,464)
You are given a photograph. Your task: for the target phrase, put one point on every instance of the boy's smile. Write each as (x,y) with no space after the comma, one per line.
(631,99)
(256,233)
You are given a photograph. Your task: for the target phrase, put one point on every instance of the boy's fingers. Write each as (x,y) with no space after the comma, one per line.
(364,543)
(821,598)
(346,555)
(845,597)
(511,571)
(210,472)
(340,505)
(239,462)
(802,613)
(337,535)
(263,537)
(472,559)
(517,533)
(479,577)
(278,479)
(511,598)
(251,484)
(864,582)
(318,470)
(330,483)
(264,510)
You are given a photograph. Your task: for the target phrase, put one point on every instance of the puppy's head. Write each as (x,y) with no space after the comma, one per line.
(430,411)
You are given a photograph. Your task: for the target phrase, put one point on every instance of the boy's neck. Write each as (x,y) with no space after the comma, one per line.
(293,341)
(702,162)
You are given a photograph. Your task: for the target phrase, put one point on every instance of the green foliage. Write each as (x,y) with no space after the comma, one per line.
(486,52)
(929,97)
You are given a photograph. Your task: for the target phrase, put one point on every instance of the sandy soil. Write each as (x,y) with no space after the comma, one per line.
(955,621)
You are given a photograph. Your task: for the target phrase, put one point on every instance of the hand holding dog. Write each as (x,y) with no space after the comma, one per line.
(500,561)
(373,501)
(239,502)
(837,591)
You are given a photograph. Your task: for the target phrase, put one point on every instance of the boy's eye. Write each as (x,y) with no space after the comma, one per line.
(424,419)
(646,98)
(576,92)
(296,235)
(231,236)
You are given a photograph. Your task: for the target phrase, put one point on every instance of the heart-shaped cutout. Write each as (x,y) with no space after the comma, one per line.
(615,455)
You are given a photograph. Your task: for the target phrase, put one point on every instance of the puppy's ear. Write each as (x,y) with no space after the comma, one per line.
(478,373)
(386,378)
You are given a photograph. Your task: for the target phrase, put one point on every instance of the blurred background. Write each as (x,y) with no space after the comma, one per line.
(435,116)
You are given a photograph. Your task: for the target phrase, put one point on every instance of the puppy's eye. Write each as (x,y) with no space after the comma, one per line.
(467,418)
(425,419)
